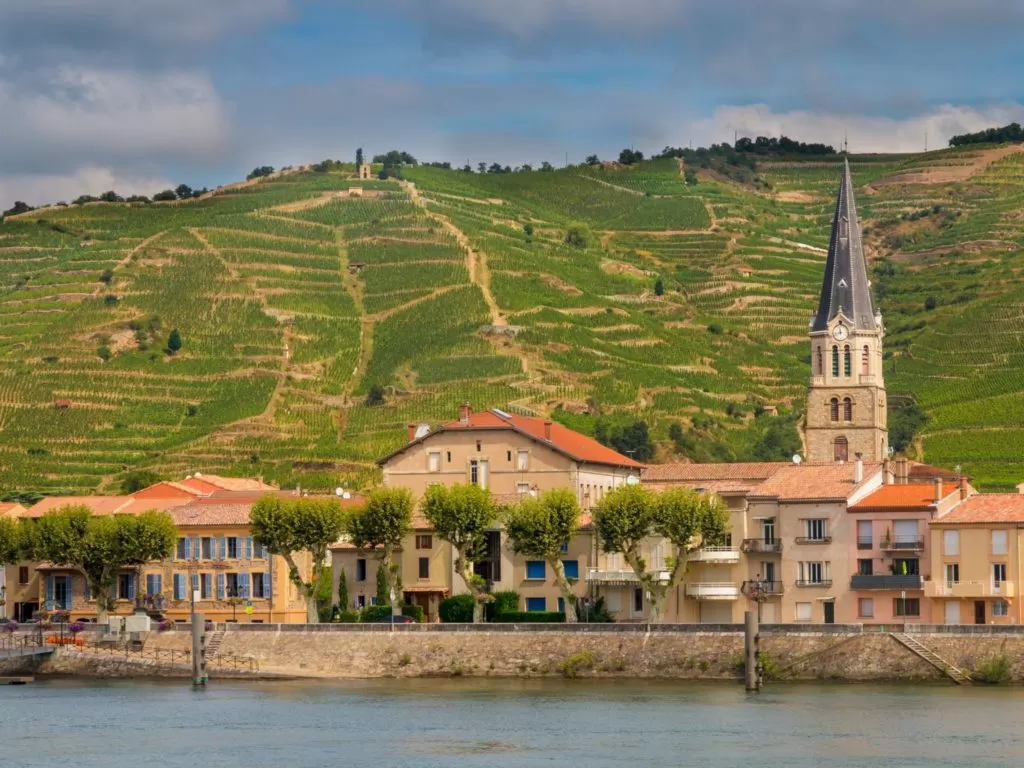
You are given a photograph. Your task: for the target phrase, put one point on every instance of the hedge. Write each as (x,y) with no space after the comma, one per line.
(504,602)
(374,613)
(531,617)
(415,612)
(457,609)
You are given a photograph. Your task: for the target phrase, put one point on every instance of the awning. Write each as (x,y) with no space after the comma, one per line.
(427,590)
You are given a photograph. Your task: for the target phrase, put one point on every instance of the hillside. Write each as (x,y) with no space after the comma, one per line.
(296,296)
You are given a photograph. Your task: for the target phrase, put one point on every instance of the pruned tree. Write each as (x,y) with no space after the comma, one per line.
(11,542)
(538,528)
(99,547)
(461,515)
(289,526)
(380,526)
(630,515)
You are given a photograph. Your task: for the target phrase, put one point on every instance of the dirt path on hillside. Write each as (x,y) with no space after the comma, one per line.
(476,261)
(946,174)
(128,256)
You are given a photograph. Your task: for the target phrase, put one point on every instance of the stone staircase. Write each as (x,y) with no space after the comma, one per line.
(213,643)
(918,648)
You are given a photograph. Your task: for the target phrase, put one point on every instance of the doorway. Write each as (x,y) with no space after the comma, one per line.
(830,612)
(638,602)
(952,612)
(979,611)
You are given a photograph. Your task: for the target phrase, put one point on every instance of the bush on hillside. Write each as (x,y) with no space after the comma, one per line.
(457,609)
(138,479)
(578,235)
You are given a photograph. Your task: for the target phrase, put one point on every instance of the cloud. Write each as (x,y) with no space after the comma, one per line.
(39,189)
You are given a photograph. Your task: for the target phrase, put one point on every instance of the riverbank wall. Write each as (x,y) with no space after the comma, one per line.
(686,652)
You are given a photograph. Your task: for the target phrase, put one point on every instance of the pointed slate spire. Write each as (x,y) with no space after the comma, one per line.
(845,288)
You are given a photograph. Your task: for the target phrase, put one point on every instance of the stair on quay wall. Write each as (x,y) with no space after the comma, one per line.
(213,643)
(915,646)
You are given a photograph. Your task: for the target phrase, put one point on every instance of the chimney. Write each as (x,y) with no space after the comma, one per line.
(938,489)
(886,472)
(411,426)
(547,430)
(858,470)
(963,487)
(465,411)
(901,471)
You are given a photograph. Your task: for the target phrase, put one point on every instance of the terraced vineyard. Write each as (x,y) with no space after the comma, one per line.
(297,297)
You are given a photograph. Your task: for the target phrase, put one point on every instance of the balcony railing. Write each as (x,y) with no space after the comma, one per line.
(812,583)
(762,545)
(813,539)
(865,542)
(714,590)
(765,588)
(901,583)
(599,576)
(715,555)
(971,589)
(903,543)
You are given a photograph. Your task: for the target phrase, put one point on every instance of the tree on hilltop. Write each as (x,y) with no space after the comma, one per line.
(630,156)
(260,172)
(165,196)
(547,167)
(183,191)
(592,160)
(20,206)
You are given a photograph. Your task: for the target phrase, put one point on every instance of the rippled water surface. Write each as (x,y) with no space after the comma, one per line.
(428,723)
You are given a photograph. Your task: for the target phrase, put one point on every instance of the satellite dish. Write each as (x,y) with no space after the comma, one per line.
(199,474)
(796,458)
(339,491)
(346,495)
(632,480)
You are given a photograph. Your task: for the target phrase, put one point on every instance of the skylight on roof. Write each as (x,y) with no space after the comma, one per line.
(501,413)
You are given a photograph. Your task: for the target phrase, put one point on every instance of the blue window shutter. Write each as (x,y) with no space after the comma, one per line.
(248,547)
(131,588)
(195,581)
(197,548)
(535,569)
(223,547)
(158,583)
(561,605)
(243,585)
(536,604)
(220,586)
(49,588)
(572,569)
(69,595)
(208,585)
(177,586)
(187,548)
(268,585)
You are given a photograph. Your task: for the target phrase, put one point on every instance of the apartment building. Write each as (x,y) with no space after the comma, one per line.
(975,561)
(11,586)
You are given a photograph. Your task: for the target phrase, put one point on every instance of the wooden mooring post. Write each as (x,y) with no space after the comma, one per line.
(752,655)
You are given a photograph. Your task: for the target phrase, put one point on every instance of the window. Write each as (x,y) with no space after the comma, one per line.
(449,456)
(847,361)
(207,551)
(536,604)
(23,574)
(179,586)
(259,552)
(998,574)
(563,547)
(361,569)
(906,534)
(424,541)
(814,573)
(907,566)
(866,607)
(424,567)
(231,584)
(865,567)
(261,584)
(478,472)
(508,455)
(522,488)
(841,449)
(952,573)
(126,586)
(815,530)
(847,409)
(865,360)
(951,543)
(434,462)
(999,546)
(535,569)
(906,606)
(638,599)
(561,605)
(1000,608)
(803,611)
(478,446)
(232,548)
(833,410)
(154,582)
(865,539)
(835,362)
(571,568)
(206,586)
(819,364)
(522,460)
(181,553)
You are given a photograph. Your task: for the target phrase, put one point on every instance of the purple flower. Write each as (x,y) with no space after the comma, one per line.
(75,627)
(11,627)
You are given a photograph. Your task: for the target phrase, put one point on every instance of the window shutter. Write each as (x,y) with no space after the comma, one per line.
(177,586)
(197,548)
(188,548)
(195,581)
(268,585)
(49,588)
(223,553)
(220,586)
(243,585)
(131,588)
(159,583)
(248,547)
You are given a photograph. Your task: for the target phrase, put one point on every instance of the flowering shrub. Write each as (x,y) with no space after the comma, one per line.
(165,624)
(11,627)
(75,627)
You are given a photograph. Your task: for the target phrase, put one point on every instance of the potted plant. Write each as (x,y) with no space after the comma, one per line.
(74,628)
(887,539)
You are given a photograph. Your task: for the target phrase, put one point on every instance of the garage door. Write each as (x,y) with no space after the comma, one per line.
(716,612)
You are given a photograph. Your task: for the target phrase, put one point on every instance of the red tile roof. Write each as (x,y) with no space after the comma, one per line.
(683,472)
(11,508)
(203,513)
(100,505)
(907,497)
(564,440)
(813,482)
(986,508)
(204,482)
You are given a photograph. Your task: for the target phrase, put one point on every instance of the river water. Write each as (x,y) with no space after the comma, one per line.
(465,722)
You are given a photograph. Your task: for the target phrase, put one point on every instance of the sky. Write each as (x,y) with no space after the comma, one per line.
(139,95)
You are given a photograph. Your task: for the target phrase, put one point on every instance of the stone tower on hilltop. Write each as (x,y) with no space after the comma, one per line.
(846,405)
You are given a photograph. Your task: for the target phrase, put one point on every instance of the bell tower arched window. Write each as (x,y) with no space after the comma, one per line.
(847,409)
(865,360)
(847,361)
(835,361)
(833,409)
(841,449)
(820,368)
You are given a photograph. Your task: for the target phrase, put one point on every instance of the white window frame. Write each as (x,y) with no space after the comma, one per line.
(998,574)
(951,543)
(522,460)
(816,529)
(951,573)
(804,612)
(1000,608)
(868,602)
(434,461)
(1000,542)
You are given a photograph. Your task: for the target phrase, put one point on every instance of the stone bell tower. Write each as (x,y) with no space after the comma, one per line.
(846,404)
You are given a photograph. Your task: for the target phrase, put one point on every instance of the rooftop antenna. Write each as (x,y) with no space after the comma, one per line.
(846,144)
(925,139)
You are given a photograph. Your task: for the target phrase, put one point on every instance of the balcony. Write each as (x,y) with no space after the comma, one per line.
(713,590)
(764,546)
(865,542)
(971,589)
(754,588)
(886,582)
(598,576)
(810,583)
(810,540)
(715,555)
(903,544)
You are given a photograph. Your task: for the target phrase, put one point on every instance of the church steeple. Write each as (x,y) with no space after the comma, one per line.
(845,289)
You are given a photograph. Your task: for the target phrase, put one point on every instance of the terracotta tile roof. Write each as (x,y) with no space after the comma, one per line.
(203,514)
(205,482)
(167,489)
(11,508)
(907,496)
(810,482)
(100,505)
(134,506)
(918,471)
(683,472)
(986,508)
(564,440)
